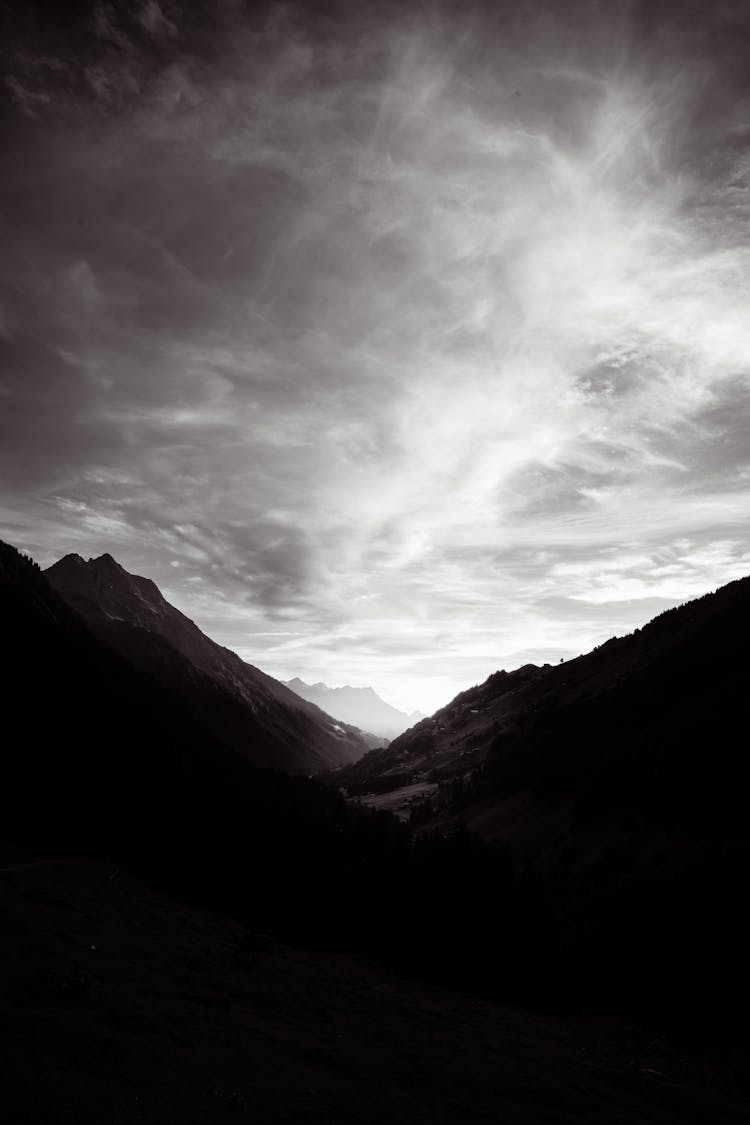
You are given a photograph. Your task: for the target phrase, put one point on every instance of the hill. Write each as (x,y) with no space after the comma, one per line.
(646,721)
(119,1003)
(621,780)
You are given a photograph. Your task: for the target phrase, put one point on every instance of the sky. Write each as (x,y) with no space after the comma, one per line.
(397,343)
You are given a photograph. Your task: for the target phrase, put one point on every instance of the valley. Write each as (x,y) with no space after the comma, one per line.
(552,924)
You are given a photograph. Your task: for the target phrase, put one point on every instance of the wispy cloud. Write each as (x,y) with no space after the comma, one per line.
(423,339)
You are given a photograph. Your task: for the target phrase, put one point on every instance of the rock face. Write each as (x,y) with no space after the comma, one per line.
(252,712)
(361,706)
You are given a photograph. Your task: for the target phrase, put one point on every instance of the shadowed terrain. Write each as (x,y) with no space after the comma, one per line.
(119,1004)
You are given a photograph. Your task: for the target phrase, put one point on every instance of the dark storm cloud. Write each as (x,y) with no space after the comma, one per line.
(405,340)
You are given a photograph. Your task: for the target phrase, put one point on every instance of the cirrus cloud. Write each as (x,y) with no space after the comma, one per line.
(396,347)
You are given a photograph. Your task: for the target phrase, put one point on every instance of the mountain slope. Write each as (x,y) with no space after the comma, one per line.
(630,723)
(361,706)
(250,711)
(451,743)
(97,755)
(621,780)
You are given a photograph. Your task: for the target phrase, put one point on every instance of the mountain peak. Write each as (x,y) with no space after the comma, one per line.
(71,559)
(106,564)
(103,564)
(361,706)
(104,582)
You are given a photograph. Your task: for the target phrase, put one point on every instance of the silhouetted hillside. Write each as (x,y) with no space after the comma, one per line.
(250,711)
(622,780)
(648,720)
(450,743)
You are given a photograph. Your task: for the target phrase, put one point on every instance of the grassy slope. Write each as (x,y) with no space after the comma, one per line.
(178,1015)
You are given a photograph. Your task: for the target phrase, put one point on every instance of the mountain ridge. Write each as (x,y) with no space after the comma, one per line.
(619,781)
(254,713)
(361,706)
(479,746)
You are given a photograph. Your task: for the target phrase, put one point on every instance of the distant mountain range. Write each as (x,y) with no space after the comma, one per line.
(234,701)
(358,705)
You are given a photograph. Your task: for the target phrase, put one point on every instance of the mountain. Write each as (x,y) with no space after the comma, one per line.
(361,706)
(633,723)
(621,780)
(453,743)
(616,868)
(245,708)
(100,760)
(100,756)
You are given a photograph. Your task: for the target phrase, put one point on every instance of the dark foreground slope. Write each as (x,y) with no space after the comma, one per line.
(119,1004)
(232,700)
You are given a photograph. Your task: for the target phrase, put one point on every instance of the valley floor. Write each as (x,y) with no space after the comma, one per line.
(120,1005)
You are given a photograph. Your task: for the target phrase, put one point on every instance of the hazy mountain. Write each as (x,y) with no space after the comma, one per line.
(255,714)
(361,706)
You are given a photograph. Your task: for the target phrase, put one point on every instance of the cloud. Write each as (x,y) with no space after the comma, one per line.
(153,19)
(392,333)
